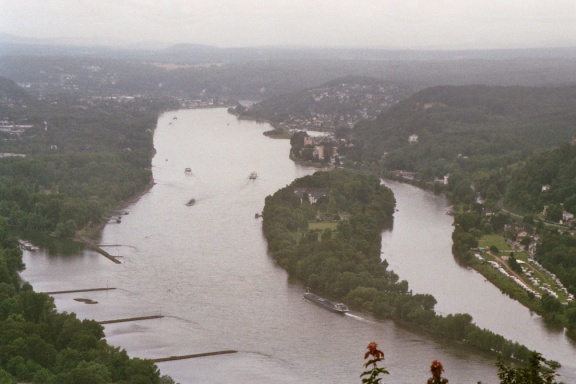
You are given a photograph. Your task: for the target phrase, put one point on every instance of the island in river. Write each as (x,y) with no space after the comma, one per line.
(342,260)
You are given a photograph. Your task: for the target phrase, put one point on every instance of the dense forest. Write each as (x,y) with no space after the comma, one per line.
(468,128)
(76,161)
(332,243)
(546,180)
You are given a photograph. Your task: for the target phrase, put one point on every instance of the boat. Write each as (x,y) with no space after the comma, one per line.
(253,176)
(334,307)
(28,246)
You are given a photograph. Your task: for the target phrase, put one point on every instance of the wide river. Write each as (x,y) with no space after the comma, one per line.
(205,268)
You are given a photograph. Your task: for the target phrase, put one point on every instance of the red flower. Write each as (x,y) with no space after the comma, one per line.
(374,351)
(436,368)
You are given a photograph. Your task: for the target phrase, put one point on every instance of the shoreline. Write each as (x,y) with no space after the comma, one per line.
(86,235)
(279,131)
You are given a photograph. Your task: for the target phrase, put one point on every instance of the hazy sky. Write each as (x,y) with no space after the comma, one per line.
(414,24)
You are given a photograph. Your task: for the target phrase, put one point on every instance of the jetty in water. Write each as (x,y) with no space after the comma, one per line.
(131,319)
(78,291)
(172,358)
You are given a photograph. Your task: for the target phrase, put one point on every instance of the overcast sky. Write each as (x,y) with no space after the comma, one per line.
(412,24)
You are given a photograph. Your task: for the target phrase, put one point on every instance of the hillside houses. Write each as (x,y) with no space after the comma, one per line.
(336,105)
(12,128)
(320,148)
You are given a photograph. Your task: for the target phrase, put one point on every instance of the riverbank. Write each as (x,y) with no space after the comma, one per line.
(86,235)
(93,230)
(279,131)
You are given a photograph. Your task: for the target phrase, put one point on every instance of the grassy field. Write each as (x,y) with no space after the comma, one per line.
(496,240)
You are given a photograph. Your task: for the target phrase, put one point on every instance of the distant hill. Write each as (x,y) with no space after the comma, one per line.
(11,94)
(194,53)
(474,126)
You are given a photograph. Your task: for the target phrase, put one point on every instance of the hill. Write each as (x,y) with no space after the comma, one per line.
(339,103)
(468,127)
(12,94)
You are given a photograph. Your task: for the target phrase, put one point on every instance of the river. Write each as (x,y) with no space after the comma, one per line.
(205,268)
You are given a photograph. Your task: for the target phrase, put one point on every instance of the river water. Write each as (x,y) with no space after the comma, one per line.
(205,268)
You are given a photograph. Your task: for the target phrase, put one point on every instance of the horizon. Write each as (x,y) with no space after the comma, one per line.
(364,24)
(7,38)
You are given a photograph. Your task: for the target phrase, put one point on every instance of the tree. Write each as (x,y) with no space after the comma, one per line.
(539,371)
(66,229)
(554,212)
(6,378)
(514,265)
(165,379)
(551,304)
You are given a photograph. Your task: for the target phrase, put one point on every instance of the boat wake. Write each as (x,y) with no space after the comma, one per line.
(359,318)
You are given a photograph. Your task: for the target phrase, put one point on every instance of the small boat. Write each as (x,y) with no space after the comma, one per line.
(334,307)
(253,176)
(28,246)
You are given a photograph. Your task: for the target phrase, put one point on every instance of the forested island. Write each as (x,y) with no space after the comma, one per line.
(326,230)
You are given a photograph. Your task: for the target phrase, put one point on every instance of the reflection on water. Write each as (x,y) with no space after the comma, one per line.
(205,268)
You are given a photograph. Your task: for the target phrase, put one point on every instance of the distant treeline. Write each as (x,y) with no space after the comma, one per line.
(259,75)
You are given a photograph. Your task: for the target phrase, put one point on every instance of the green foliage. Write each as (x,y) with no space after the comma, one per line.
(551,304)
(102,158)
(555,169)
(539,371)
(557,253)
(514,265)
